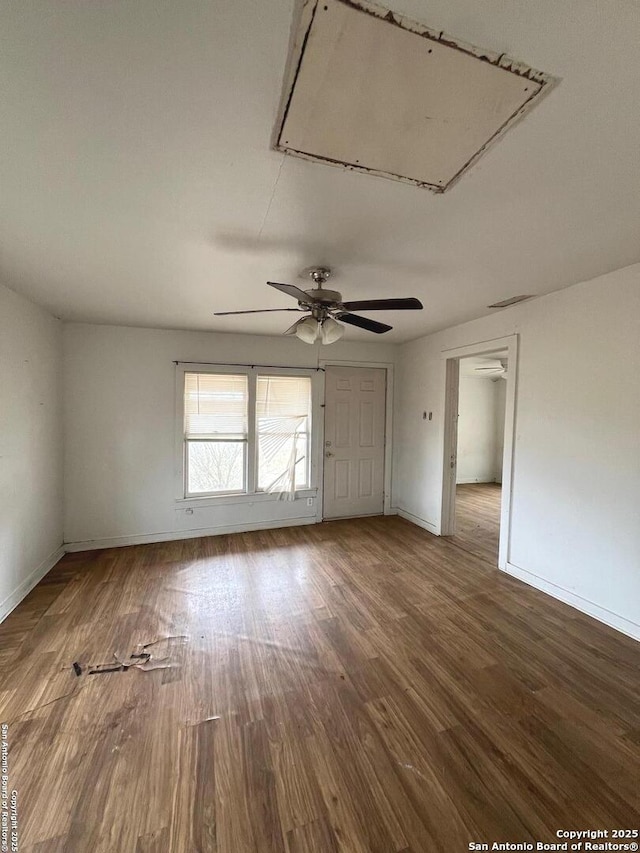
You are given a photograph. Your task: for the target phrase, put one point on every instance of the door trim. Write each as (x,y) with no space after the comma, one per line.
(452,371)
(388,426)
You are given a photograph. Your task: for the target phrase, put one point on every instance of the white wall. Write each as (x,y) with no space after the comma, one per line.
(30,446)
(477,434)
(575,520)
(120,398)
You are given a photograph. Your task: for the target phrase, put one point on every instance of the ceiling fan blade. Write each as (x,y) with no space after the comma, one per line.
(384,305)
(363,322)
(255,311)
(291,290)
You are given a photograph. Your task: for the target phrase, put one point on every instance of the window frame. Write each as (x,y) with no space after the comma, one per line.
(187,495)
(251,493)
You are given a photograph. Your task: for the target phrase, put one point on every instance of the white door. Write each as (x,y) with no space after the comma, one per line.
(354,426)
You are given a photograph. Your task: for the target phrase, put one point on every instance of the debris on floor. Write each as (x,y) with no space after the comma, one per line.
(140,659)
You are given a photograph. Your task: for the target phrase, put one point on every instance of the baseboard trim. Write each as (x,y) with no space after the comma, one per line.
(21,592)
(176,535)
(473,481)
(421,522)
(613,620)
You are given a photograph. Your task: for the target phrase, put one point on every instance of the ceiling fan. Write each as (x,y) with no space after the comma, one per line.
(325,307)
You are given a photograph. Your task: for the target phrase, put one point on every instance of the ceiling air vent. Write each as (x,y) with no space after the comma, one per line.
(512,301)
(370,90)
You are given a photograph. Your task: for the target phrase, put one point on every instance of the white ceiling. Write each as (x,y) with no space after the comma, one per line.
(137,184)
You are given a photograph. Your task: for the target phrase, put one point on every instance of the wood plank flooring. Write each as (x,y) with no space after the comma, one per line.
(353,686)
(478,519)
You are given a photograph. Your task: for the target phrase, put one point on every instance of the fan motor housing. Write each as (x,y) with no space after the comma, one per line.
(323,296)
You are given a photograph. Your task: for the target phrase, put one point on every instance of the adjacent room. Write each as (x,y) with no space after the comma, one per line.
(366,578)
(478,457)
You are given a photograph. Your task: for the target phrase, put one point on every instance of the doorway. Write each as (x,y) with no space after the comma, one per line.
(354,441)
(478,443)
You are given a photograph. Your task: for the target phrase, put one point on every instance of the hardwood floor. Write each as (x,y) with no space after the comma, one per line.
(353,686)
(478,519)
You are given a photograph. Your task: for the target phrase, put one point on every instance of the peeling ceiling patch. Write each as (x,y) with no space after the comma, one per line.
(370,90)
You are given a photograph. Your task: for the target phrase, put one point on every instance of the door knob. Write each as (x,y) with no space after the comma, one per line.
(328,454)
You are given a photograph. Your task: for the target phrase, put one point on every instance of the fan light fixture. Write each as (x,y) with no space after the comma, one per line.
(308,330)
(330,331)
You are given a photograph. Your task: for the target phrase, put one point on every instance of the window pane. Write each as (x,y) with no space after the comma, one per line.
(276,461)
(215,466)
(283,415)
(215,405)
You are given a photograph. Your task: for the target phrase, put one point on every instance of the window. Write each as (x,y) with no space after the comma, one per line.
(215,432)
(283,415)
(246,432)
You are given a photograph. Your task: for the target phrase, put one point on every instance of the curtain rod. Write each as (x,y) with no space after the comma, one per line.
(239,364)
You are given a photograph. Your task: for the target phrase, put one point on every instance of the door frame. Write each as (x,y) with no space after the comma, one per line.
(452,358)
(388,429)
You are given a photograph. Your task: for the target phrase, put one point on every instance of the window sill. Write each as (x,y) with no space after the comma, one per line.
(226,500)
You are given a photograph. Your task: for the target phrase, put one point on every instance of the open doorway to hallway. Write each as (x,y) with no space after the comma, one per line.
(479,453)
